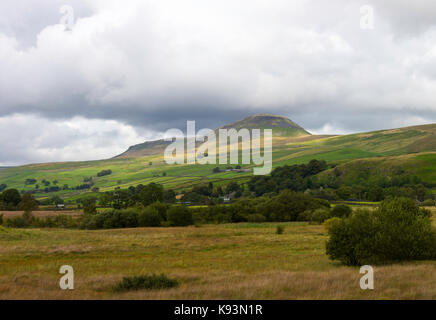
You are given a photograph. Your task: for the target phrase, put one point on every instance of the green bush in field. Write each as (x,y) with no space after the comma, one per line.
(398,230)
(428,203)
(280,229)
(256,218)
(288,205)
(149,217)
(17,222)
(161,209)
(146,282)
(341,211)
(179,216)
(1,219)
(89,207)
(320,215)
(127,218)
(305,216)
(59,221)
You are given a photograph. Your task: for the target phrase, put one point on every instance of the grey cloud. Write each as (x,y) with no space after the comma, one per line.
(153,65)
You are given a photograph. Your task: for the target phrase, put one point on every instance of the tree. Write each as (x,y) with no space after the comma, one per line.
(169,196)
(232,187)
(161,209)
(341,211)
(398,230)
(28,204)
(151,193)
(180,216)
(11,198)
(89,206)
(105,199)
(149,217)
(56,200)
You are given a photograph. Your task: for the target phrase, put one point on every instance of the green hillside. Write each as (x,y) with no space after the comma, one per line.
(412,149)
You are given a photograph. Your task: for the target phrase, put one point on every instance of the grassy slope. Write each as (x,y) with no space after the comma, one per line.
(236,261)
(383,147)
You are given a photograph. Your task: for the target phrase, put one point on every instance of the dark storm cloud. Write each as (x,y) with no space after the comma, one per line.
(138,68)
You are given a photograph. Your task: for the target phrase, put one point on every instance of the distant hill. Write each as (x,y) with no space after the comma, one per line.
(378,153)
(280,125)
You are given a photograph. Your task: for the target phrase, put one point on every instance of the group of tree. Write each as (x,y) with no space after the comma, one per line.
(104,173)
(154,215)
(141,194)
(295,178)
(397,230)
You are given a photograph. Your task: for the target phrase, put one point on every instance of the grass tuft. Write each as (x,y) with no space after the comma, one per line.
(280,229)
(146,282)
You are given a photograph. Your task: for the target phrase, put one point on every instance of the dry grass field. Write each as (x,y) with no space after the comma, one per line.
(42,213)
(234,261)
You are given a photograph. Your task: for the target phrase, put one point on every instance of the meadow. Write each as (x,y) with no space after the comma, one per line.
(228,261)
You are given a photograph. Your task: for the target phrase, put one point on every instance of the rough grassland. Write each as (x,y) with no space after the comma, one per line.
(234,261)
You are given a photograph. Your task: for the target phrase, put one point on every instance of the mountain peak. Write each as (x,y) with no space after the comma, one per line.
(281,125)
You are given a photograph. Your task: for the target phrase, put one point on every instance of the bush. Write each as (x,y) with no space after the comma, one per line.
(59,221)
(341,211)
(146,282)
(428,203)
(89,208)
(305,216)
(256,218)
(398,230)
(280,229)
(288,205)
(161,209)
(1,219)
(179,216)
(330,222)
(149,217)
(320,215)
(127,218)
(16,222)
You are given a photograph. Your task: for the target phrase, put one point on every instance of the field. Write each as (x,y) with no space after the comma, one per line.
(231,261)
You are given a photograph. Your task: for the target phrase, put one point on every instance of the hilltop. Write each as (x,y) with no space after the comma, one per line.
(280,125)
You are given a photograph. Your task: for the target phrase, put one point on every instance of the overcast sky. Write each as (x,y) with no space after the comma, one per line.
(129,70)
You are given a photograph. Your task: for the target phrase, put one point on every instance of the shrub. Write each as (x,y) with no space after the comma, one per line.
(145,282)
(179,216)
(89,208)
(305,216)
(341,211)
(398,230)
(59,221)
(428,203)
(330,222)
(1,219)
(16,222)
(288,205)
(320,215)
(256,218)
(161,209)
(149,217)
(280,229)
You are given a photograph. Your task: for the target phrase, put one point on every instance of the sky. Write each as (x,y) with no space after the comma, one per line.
(87,82)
